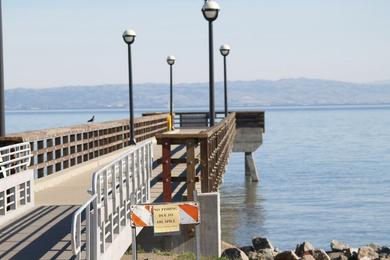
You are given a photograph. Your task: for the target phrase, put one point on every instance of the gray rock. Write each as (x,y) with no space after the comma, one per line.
(343,257)
(338,246)
(384,250)
(265,254)
(234,254)
(286,255)
(376,247)
(252,256)
(307,257)
(335,255)
(247,249)
(367,252)
(351,253)
(320,254)
(261,243)
(304,248)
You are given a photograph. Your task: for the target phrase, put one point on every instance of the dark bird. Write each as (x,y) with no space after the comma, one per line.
(91,120)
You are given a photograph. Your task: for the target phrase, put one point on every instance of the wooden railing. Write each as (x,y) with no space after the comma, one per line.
(193,119)
(215,150)
(57,149)
(250,119)
(210,161)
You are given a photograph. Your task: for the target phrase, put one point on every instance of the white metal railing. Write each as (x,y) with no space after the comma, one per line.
(85,215)
(16,180)
(117,186)
(14,159)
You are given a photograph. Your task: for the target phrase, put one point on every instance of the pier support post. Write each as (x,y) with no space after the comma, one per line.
(166,174)
(250,167)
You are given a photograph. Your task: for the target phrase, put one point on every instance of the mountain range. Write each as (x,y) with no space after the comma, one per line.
(300,91)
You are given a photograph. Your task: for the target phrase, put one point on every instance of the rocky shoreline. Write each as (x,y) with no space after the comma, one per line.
(262,249)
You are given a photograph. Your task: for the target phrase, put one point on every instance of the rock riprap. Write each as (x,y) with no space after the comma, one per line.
(262,249)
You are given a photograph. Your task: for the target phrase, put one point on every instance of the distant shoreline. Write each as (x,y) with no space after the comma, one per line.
(273,107)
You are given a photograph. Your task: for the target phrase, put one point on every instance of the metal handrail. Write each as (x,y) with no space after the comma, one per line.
(76,225)
(14,159)
(112,198)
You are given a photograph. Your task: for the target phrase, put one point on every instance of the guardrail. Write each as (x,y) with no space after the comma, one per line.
(195,119)
(117,186)
(14,159)
(16,181)
(58,149)
(89,213)
(215,150)
(215,145)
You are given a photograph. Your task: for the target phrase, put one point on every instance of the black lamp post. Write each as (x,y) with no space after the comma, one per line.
(171,60)
(2,105)
(225,50)
(210,12)
(129,37)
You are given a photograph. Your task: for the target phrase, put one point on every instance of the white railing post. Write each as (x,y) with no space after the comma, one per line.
(16,181)
(109,206)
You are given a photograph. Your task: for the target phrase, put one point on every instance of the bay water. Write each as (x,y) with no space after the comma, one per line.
(324,174)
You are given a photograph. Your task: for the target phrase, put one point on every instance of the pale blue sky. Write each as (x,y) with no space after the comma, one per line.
(50,43)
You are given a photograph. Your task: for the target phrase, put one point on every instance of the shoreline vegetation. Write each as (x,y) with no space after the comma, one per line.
(262,249)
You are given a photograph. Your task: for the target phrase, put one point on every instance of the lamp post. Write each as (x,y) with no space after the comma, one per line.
(210,12)
(129,37)
(225,50)
(171,60)
(2,105)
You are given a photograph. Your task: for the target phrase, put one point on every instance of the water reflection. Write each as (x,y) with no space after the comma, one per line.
(242,213)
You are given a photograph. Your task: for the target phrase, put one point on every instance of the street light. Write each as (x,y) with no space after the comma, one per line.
(210,12)
(2,106)
(225,50)
(171,60)
(129,37)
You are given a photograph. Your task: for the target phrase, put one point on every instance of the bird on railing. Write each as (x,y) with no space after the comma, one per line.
(92,119)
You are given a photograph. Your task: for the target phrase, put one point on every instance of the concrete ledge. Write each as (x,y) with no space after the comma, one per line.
(248,139)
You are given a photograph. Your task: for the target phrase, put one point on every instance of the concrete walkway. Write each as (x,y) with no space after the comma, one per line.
(71,186)
(44,232)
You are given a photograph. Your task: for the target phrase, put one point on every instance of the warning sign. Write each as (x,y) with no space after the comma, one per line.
(166,218)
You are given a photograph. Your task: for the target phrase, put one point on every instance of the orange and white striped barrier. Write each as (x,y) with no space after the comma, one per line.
(143,215)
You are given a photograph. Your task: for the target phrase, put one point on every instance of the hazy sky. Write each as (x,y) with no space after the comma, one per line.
(50,43)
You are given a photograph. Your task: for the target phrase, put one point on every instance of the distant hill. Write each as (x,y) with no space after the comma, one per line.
(241,93)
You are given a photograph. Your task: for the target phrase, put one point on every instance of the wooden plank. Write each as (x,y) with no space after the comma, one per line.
(190,169)
(166,174)
(204,154)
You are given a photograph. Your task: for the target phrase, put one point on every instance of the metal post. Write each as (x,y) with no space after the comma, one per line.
(225,86)
(211,73)
(197,232)
(171,97)
(131,103)
(133,200)
(2,105)
(134,243)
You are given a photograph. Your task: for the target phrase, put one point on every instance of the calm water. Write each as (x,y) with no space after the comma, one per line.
(325,174)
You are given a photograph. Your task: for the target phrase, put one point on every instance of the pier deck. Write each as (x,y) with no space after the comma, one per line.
(44,233)
(67,209)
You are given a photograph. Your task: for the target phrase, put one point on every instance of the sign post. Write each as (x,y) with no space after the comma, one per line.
(166,219)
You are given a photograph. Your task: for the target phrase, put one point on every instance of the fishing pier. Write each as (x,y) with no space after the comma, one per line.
(66,193)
